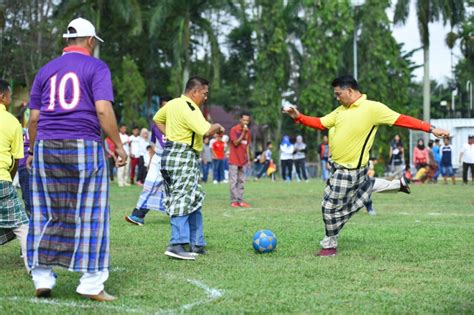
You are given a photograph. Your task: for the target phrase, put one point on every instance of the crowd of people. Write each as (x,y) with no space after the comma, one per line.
(69,171)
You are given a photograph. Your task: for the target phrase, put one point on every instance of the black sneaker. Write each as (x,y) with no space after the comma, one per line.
(178,252)
(198,250)
(404,182)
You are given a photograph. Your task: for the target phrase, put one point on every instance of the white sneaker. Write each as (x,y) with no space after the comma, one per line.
(214,181)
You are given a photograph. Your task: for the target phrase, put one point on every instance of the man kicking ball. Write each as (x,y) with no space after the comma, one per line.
(356,122)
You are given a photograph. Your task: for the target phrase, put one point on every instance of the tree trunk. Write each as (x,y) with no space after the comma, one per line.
(426,86)
(187,42)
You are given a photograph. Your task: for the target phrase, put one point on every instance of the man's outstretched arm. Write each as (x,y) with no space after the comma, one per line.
(416,124)
(309,121)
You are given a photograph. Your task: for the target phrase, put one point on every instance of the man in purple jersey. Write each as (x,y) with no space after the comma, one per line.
(71,100)
(151,195)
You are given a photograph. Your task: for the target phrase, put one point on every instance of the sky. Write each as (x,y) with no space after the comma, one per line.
(440,54)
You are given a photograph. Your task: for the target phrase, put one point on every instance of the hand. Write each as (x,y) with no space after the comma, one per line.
(221,129)
(29,162)
(291,111)
(122,157)
(439,133)
(246,128)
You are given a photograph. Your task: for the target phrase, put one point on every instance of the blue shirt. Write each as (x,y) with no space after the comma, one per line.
(446,154)
(436,153)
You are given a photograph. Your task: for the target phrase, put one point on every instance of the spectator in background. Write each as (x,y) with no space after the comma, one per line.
(265,160)
(124,171)
(143,143)
(109,148)
(420,155)
(240,139)
(467,159)
(286,158)
(323,150)
(218,155)
(299,158)
(206,159)
(433,166)
(134,153)
(396,157)
(437,158)
(446,161)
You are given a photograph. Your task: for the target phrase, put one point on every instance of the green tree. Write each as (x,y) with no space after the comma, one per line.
(429,11)
(130,87)
(183,19)
(26,38)
(464,70)
(128,13)
(271,70)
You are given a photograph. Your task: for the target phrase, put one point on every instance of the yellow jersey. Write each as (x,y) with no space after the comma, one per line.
(353,129)
(184,122)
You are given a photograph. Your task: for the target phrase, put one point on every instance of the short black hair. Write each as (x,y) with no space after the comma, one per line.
(345,81)
(135,127)
(165,98)
(4,86)
(148,147)
(244,113)
(195,82)
(268,143)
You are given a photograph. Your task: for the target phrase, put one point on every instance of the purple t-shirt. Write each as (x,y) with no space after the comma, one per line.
(157,137)
(65,91)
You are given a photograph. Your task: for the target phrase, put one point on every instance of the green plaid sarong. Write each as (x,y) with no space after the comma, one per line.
(12,212)
(181,173)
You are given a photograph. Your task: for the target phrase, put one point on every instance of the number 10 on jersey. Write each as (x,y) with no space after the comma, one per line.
(61,93)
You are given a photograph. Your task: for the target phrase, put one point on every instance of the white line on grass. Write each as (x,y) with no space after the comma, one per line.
(436,214)
(211,295)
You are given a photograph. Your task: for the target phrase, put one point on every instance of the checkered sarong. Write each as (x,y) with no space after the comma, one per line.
(347,192)
(151,196)
(69,224)
(181,172)
(12,213)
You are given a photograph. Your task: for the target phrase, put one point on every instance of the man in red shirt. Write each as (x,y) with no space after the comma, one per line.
(239,158)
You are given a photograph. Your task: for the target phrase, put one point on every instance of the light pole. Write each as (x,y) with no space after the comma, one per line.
(355,4)
(469,90)
(454,93)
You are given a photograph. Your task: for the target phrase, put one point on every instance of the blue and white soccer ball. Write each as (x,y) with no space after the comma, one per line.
(264,241)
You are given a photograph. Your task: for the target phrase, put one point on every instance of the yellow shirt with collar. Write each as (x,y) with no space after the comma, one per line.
(354,128)
(183,119)
(11,142)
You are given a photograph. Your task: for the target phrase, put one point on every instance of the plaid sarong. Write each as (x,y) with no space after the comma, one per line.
(181,172)
(12,213)
(69,225)
(151,196)
(347,192)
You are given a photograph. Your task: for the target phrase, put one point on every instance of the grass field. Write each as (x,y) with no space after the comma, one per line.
(415,256)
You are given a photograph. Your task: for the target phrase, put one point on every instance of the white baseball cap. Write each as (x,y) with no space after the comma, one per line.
(83,28)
